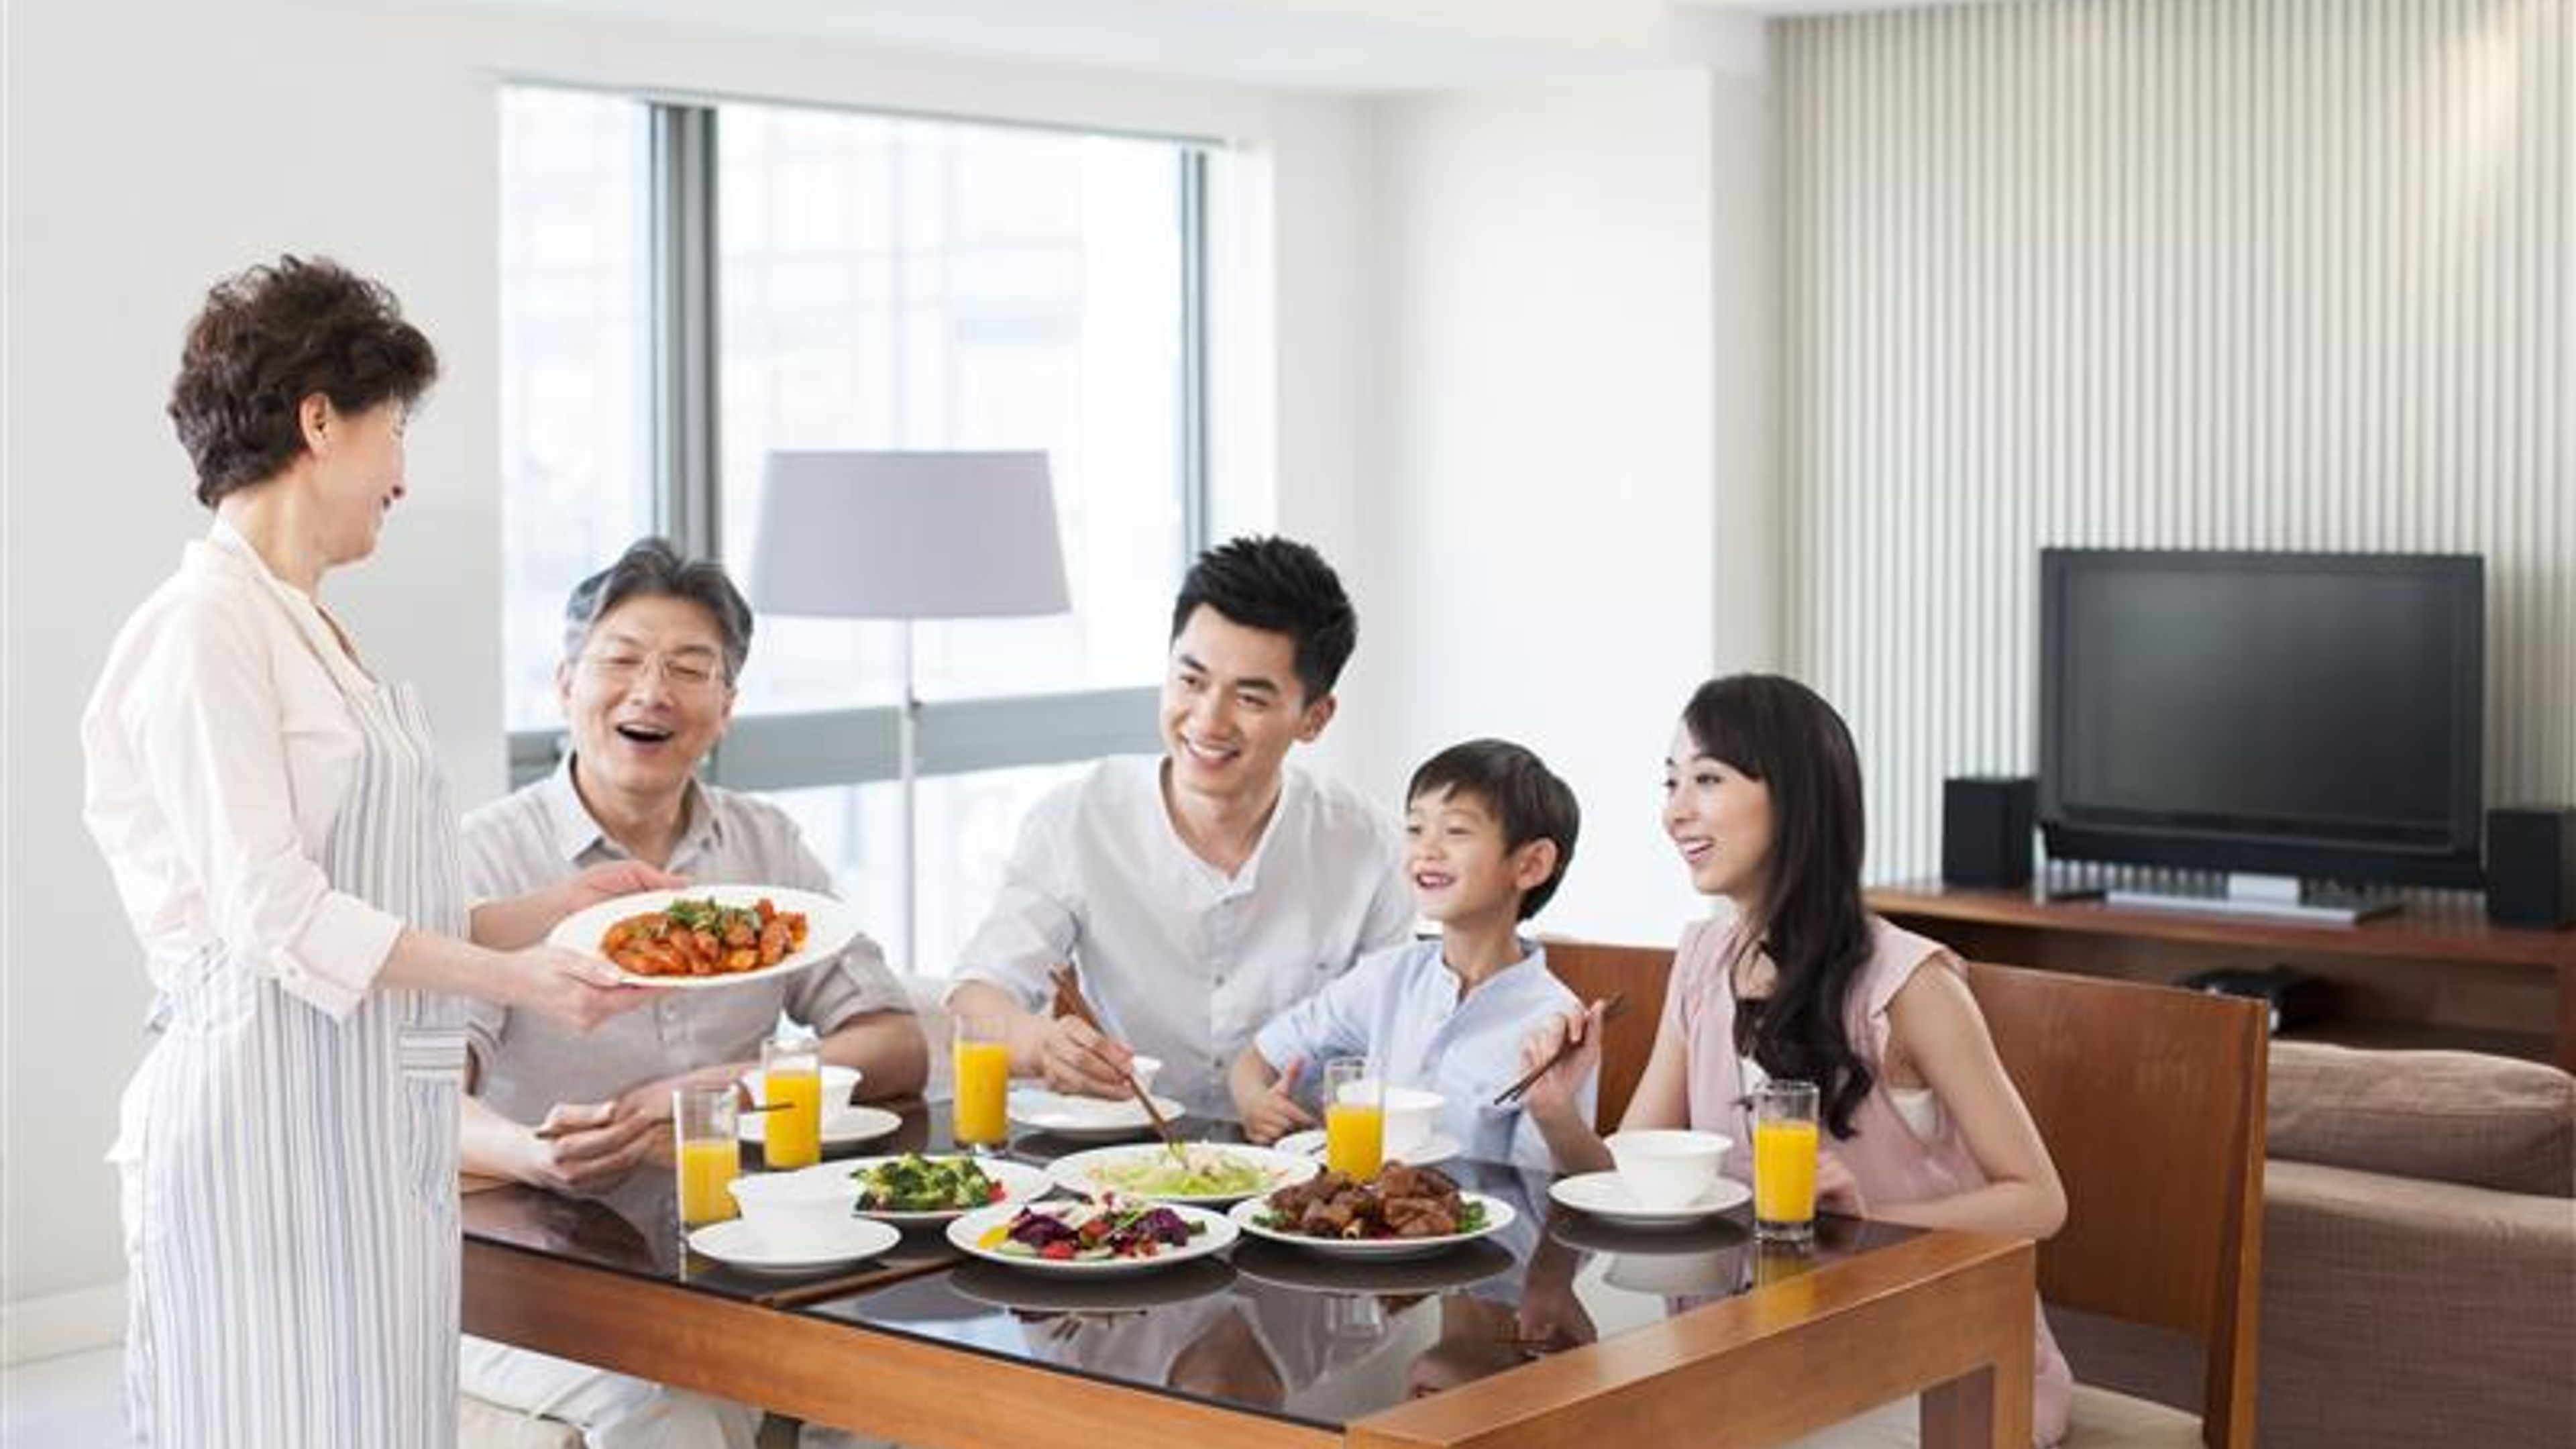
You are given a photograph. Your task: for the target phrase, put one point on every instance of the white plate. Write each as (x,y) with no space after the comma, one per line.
(1310,1143)
(1498,1216)
(1087,1118)
(1019,1181)
(1603,1195)
(829,926)
(965,1234)
(843,1124)
(1078,1172)
(800,1242)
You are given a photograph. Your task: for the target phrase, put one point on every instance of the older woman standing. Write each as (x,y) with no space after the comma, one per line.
(283,841)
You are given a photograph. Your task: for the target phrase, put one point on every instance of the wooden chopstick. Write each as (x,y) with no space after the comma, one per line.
(1069,1002)
(1611,1006)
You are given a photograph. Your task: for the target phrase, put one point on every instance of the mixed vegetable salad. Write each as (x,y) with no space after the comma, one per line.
(1209,1172)
(1091,1232)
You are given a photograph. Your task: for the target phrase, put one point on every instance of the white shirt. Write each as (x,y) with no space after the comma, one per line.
(1402,1010)
(220,746)
(1181,961)
(541,834)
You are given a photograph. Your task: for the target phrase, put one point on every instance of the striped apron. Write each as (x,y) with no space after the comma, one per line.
(292,1274)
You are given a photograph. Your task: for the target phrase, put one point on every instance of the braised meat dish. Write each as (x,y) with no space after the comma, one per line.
(1401,1202)
(704,938)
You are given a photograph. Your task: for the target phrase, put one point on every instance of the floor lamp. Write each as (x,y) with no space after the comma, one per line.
(907,536)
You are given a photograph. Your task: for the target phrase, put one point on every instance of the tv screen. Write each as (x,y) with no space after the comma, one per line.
(2291,714)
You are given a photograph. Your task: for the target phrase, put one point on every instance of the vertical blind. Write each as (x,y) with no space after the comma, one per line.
(2267,274)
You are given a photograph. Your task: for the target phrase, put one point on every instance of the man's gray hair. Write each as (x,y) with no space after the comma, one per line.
(652,568)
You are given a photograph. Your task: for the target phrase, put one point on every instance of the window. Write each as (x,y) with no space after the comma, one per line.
(688,288)
(575,453)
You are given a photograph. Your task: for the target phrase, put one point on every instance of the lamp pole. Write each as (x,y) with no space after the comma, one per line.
(907,740)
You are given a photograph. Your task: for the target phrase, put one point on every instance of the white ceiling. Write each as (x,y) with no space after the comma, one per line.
(1341,45)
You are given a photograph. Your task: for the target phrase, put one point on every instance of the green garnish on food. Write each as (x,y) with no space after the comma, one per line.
(913,1183)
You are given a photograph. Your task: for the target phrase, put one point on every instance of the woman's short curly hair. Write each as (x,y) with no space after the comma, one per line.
(273,336)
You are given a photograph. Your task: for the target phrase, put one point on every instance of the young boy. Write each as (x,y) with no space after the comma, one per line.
(1488,833)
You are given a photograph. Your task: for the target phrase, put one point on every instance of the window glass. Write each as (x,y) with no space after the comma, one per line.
(576,455)
(929,285)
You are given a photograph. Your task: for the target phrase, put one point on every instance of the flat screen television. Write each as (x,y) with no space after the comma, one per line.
(2277,716)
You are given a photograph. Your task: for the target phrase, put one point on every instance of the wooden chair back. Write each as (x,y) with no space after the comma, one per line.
(2151,1101)
(1592,971)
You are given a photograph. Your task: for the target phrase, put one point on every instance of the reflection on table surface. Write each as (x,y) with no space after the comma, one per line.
(1269,1328)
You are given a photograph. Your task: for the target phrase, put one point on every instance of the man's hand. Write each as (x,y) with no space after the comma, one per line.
(611,879)
(1275,1113)
(1076,1059)
(589,1147)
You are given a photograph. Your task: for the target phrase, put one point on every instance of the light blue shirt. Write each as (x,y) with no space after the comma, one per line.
(1400,1008)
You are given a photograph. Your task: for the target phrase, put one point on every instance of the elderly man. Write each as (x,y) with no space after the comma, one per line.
(652,647)
(1204,891)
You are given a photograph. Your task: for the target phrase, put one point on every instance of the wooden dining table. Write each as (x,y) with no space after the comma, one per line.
(1558,1330)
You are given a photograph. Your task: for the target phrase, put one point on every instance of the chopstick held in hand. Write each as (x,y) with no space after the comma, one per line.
(1069,1002)
(1611,1006)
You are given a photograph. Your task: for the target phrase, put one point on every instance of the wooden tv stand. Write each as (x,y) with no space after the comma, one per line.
(2435,974)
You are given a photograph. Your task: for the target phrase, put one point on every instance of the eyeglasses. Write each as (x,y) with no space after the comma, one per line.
(689,672)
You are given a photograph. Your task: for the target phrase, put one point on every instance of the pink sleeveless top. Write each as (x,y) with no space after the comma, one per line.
(1891,1162)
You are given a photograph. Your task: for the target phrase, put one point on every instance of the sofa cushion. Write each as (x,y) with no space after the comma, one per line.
(2442,1116)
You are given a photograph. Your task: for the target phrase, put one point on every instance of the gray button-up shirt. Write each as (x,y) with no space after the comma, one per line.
(536,836)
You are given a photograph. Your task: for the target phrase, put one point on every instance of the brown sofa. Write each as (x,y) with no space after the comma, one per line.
(2419,1258)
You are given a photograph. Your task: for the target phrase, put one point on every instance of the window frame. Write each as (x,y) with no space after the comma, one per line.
(858,746)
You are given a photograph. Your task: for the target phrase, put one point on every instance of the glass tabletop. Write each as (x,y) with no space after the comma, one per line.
(1267,1328)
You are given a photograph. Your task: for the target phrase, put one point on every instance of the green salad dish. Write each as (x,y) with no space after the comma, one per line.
(913,1183)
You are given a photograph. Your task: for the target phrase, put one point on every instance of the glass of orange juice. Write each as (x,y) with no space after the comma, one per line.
(980,1064)
(1784,1161)
(1354,1118)
(791,1083)
(702,1124)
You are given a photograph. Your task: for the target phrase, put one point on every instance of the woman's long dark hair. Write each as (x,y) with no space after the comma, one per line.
(1809,916)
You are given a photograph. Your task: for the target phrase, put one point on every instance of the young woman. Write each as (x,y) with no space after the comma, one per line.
(1762,797)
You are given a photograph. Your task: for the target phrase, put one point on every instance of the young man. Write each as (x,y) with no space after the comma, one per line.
(1489,831)
(1202,892)
(652,647)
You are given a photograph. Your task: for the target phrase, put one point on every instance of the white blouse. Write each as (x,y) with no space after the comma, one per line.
(220,746)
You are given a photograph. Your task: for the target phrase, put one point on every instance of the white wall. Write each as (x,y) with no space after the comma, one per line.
(2135,273)
(151,148)
(1555,518)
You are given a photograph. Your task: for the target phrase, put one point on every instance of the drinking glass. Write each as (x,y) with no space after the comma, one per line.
(980,1066)
(791,1082)
(707,1154)
(1784,1161)
(1354,1118)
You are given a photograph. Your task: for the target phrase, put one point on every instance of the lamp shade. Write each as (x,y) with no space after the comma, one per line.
(846,535)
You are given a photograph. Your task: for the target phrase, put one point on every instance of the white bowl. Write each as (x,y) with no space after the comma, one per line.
(825,1190)
(1667,1168)
(1411,1113)
(838,1082)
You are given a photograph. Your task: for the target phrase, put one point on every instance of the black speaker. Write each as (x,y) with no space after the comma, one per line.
(2531,866)
(1985,829)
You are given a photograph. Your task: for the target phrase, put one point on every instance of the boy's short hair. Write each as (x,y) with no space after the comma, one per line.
(1285,587)
(1517,786)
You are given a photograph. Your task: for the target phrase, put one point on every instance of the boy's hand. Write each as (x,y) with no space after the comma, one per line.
(1275,1113)
(1553,1093)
